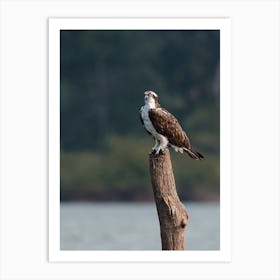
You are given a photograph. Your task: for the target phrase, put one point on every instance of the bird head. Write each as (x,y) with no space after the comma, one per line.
(151,98)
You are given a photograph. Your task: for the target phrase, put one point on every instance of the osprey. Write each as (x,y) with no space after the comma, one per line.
(164,127)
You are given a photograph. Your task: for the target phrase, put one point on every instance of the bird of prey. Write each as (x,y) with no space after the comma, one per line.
(164,127)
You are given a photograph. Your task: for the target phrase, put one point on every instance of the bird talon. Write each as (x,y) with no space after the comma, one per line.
(159,151)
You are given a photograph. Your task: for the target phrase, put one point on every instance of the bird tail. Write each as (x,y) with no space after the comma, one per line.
(193,154)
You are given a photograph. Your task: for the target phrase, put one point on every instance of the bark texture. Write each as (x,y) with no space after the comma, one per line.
(172,213)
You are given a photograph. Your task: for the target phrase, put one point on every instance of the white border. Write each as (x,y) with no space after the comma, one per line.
(222,24)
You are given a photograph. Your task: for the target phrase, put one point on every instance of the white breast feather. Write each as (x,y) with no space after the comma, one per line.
(161,140)
(147,122)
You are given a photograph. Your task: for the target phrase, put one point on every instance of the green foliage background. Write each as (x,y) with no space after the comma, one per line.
(104,149)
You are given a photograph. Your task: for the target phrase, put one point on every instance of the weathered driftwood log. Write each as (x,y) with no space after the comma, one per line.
(172,214)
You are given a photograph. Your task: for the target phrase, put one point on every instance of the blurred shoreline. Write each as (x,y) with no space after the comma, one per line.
(76,195)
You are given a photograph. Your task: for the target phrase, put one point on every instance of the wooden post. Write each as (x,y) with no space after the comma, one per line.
(172,214)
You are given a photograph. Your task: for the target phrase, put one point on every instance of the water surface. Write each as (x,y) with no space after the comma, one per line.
(133,226)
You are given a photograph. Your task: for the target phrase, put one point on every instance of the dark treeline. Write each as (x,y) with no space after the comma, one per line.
(103,76)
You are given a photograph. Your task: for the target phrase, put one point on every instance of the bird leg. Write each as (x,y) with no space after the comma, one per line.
(154,149)
(163,143)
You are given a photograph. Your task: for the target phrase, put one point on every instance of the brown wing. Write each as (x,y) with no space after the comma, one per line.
(167,125)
